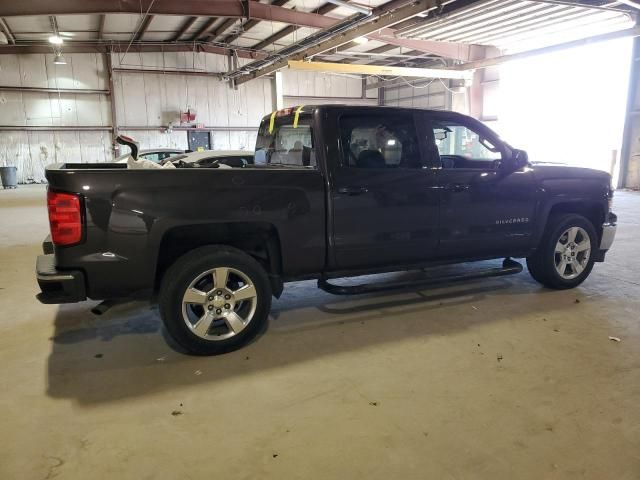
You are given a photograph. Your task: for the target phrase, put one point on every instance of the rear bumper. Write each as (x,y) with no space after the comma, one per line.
(58,286)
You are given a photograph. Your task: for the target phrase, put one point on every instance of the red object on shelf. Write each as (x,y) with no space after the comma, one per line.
(187,117)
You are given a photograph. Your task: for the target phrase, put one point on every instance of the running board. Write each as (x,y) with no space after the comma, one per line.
(509,267)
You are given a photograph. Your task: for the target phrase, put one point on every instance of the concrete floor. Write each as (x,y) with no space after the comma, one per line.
(498,379)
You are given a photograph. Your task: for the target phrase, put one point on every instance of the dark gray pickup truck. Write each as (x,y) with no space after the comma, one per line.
(335,191)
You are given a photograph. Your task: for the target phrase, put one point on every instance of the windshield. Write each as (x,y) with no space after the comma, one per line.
(284,140)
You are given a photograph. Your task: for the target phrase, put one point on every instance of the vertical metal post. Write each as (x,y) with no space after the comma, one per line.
(629,155)
(112,104)
(278,91)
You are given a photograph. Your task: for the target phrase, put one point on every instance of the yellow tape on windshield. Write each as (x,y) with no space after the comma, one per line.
(295,119)
(271,122)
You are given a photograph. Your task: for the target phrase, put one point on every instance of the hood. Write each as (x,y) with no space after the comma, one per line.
(551,170)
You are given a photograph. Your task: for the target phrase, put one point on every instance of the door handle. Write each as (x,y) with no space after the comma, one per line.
(457,187)
(352,190)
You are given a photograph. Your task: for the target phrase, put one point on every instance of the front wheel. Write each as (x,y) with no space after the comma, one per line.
(214,300)
(564,258)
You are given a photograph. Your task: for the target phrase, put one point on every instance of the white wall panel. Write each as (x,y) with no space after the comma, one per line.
(9,71)
(33,71)
(11,109)
(153,99)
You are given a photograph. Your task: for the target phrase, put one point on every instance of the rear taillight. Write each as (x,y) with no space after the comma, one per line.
(65,218)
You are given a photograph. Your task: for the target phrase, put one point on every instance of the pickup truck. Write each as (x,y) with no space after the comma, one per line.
(335,191)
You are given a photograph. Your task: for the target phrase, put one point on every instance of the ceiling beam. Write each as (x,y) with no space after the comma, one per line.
(454,50)
(144,25)
(203,29)
(490,62)
(373,51)
(101,21)
(183,29)
(7,31)
(219,30)
(107,47)
(249,24)
(386,17)
(378,70)
(610,6)
(199,8)
(322,10)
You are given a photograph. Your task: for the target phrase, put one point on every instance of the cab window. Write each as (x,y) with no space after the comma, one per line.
(286,144)
(460,147)
(379,141)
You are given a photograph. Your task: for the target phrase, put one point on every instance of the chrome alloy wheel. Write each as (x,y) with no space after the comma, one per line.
(572,252)
(219,303)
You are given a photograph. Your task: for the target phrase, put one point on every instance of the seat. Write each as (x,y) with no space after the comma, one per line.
(370,159)
(294,157)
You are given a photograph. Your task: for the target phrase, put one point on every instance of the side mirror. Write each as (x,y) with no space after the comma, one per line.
(520,159)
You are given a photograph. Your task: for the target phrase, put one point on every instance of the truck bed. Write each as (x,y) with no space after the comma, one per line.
(130,213)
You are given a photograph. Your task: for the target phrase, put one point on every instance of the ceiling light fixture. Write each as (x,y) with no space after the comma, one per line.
(360,40)
(356,8)
(59,59)
(56,39)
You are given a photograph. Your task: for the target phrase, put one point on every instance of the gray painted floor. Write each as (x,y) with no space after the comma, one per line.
(496,379)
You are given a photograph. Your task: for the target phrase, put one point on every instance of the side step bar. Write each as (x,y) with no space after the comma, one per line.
(509,267)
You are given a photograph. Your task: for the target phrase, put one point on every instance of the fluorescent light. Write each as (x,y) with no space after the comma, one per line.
(356,8)
(391,142)
(59,59)
(360,40)
(56,39)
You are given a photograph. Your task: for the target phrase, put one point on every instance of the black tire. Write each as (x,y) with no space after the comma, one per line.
(542,265)
(187,269)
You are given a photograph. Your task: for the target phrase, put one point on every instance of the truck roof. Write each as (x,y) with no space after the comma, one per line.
(342,106)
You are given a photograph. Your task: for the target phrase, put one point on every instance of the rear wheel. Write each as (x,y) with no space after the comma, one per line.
(564,258)
(214,300)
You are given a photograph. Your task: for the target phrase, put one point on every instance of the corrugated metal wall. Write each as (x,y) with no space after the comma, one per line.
(31,150)
(434,95)
(308,88)
(144,102)
(156,100)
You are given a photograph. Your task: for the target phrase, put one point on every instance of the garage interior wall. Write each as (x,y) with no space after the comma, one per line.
(433,94)
(146,103)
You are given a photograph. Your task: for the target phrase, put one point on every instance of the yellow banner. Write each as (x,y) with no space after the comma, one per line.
(271,122)
(295,119)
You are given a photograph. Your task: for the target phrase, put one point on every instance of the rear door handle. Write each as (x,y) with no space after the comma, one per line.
(352,190)
(457,187)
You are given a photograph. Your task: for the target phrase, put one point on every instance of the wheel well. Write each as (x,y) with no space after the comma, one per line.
(258,239)
(590,210)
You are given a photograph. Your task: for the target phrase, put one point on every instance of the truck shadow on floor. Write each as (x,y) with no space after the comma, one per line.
(126,353)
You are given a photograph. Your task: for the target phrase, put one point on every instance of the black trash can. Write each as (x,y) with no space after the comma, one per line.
(9,176)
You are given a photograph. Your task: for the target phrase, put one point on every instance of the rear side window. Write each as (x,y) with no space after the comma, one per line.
(379,141)
(286,142)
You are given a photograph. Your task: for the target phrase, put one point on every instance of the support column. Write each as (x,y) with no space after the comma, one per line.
(630,154)
(112,104)
(475,93)
(278,91)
